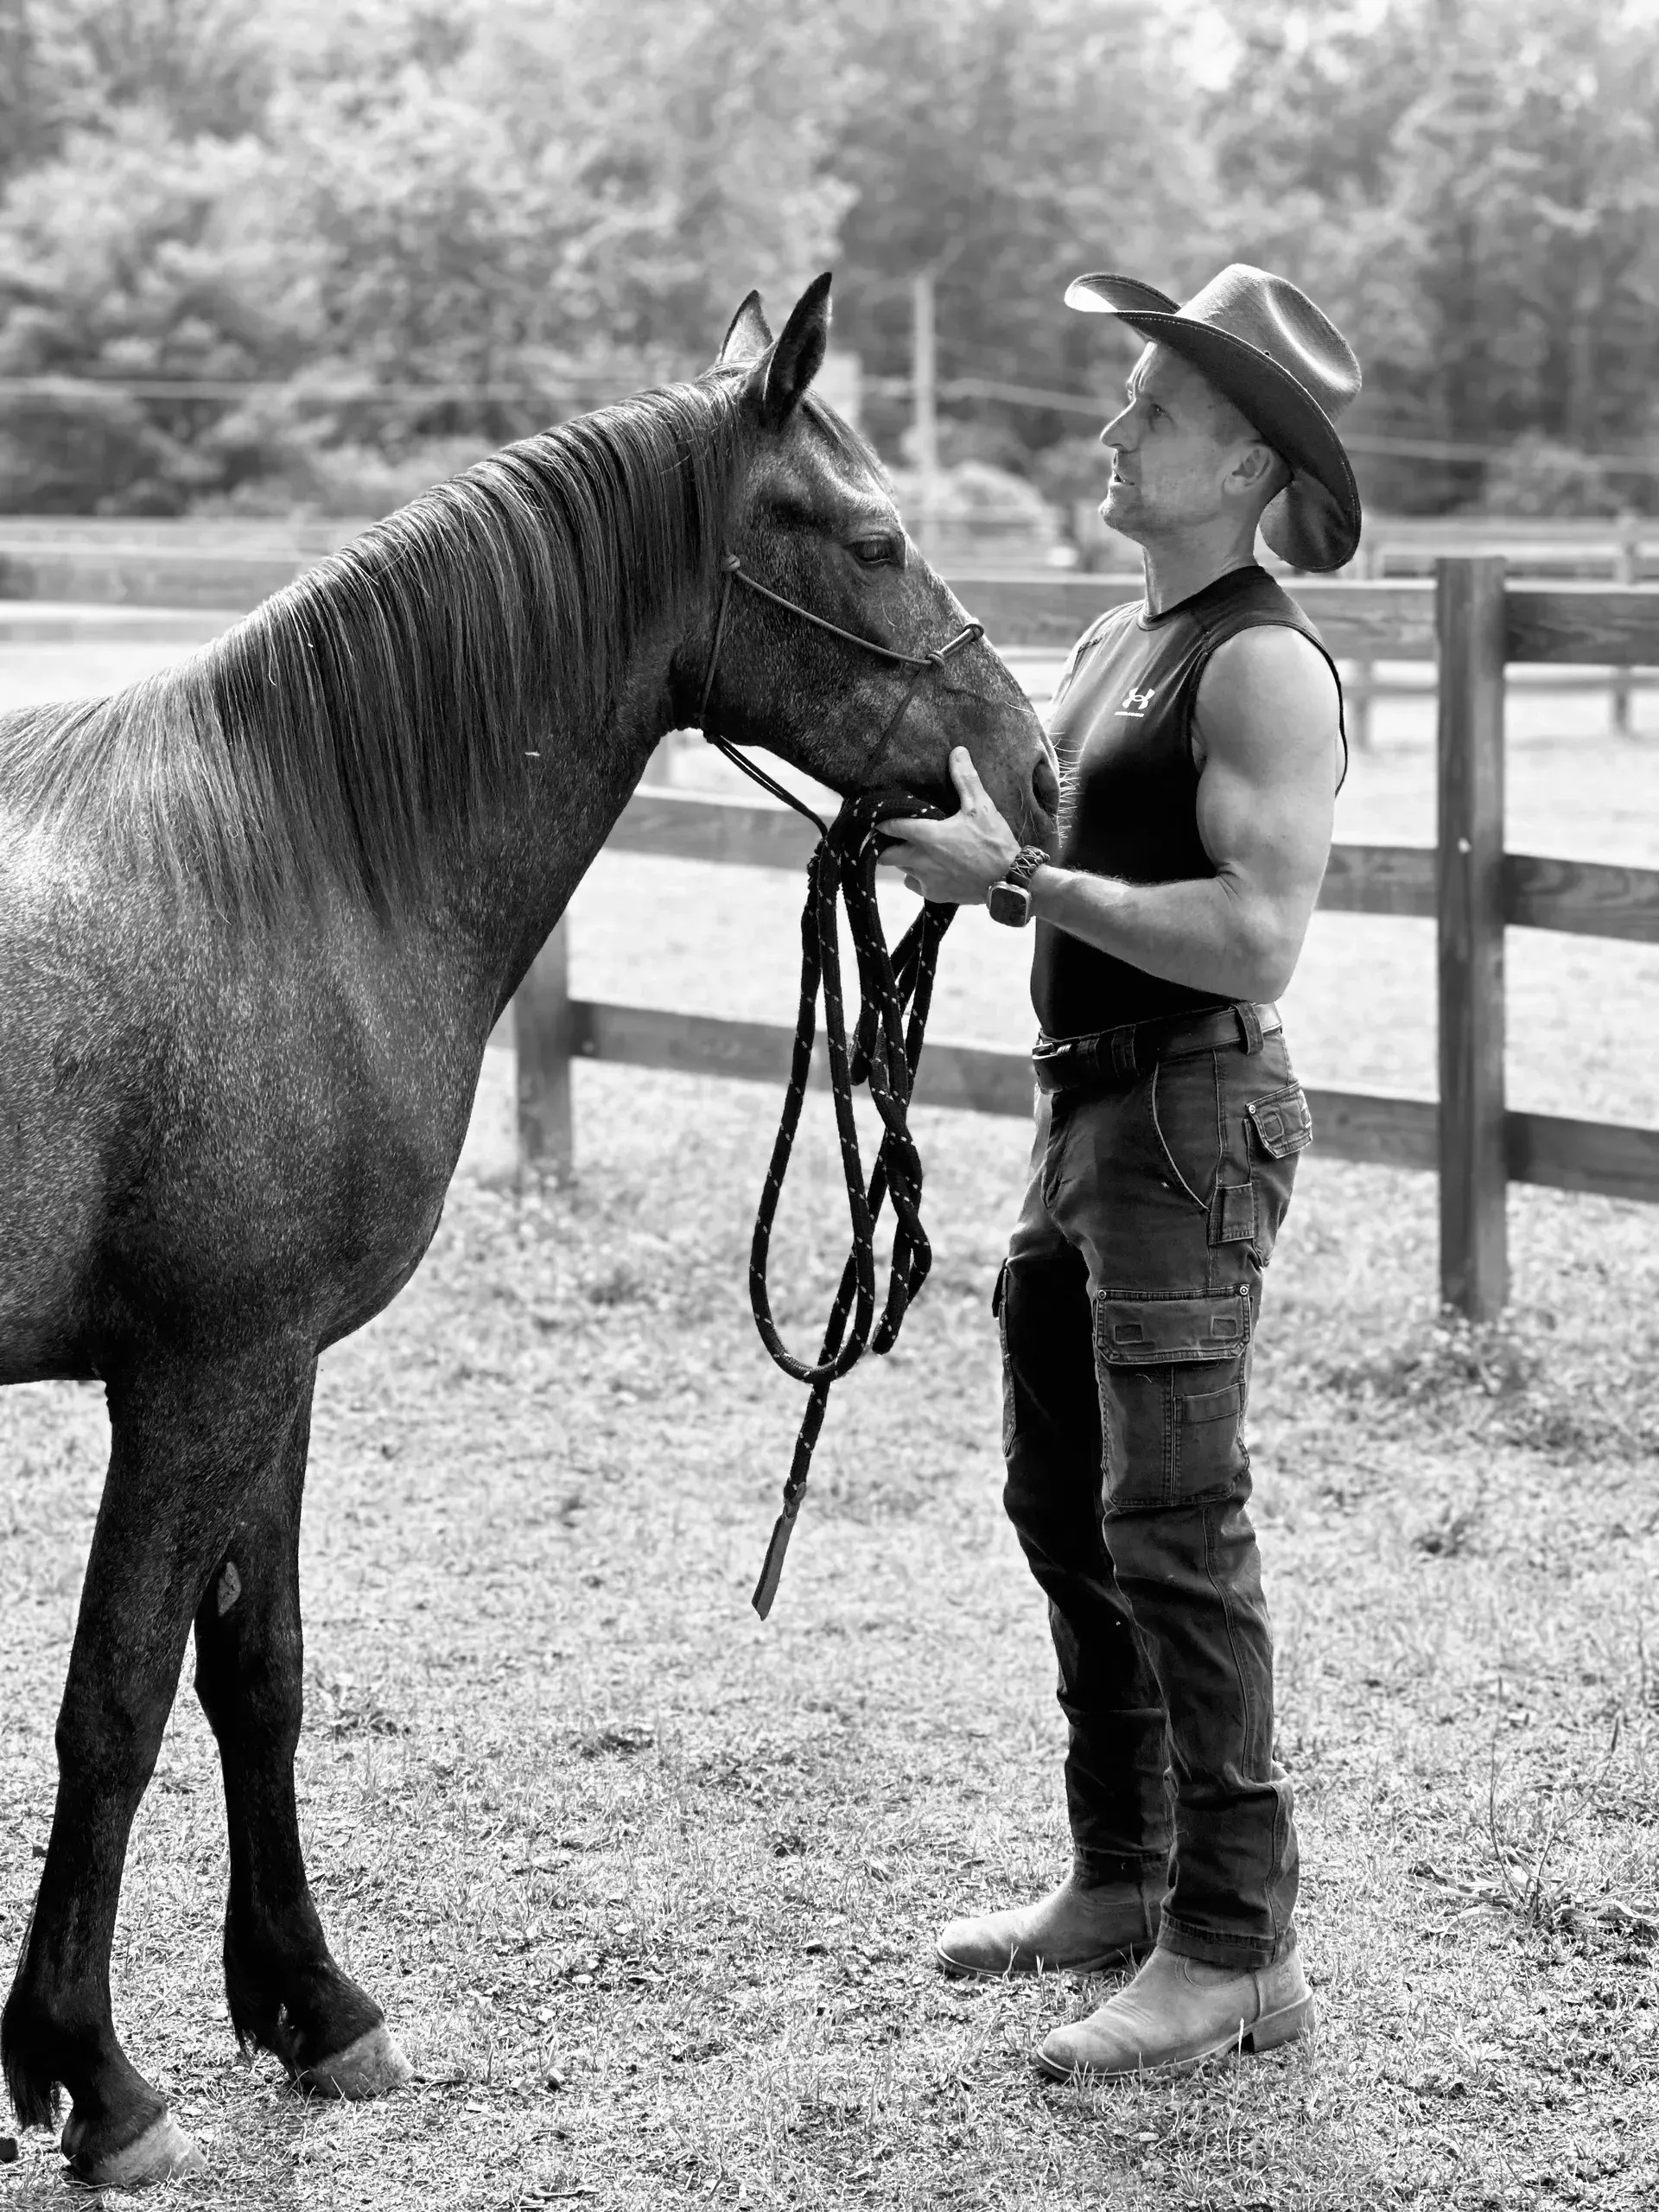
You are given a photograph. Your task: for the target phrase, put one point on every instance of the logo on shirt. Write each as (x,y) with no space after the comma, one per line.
(1137,702)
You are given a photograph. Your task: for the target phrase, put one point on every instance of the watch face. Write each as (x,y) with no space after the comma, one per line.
(1007,903)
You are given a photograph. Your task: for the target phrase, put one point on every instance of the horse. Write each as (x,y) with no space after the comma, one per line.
(258,915)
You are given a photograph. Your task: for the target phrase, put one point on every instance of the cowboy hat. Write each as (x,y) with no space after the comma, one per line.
(1286,368)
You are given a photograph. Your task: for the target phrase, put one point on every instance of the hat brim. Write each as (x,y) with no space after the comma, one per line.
(1315,522)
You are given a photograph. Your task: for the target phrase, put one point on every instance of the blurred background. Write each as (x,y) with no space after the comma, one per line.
(267,270)
(299,260)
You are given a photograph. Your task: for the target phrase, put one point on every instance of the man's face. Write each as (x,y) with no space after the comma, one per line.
(1174,446)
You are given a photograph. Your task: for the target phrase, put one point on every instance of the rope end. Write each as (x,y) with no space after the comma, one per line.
(771,1570)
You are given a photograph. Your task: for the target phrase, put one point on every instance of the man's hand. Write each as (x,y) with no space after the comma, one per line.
(955,862)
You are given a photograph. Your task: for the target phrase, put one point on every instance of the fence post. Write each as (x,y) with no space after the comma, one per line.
(1469,618)
(1627,569)
(545,1033)
(1373,562)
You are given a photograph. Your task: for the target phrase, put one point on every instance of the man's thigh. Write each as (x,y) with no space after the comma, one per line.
(1173,1189)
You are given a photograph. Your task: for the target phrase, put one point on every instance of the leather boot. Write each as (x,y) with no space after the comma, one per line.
(1074,1930)
(1176,2013)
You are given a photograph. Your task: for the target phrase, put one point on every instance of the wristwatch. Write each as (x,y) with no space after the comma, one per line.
(1009,901)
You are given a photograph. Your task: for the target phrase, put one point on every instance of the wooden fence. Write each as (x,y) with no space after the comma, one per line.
(1621,549)
(1619,546)
(1476,626)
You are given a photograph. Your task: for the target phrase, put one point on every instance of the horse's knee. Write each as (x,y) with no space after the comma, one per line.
(249,1657)
(251,1693)
(109,1731)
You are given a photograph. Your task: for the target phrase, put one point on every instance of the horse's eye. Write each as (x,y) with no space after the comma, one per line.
(876,552)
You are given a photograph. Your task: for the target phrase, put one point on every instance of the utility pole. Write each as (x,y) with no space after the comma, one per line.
(923,397)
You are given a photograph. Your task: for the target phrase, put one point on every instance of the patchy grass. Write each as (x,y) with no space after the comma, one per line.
(648,1889)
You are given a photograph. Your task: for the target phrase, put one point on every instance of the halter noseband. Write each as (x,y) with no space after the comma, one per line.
(733,572)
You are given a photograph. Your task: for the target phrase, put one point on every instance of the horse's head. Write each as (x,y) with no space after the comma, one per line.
(813,521)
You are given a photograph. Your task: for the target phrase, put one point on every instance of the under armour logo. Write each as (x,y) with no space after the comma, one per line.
(1137,702)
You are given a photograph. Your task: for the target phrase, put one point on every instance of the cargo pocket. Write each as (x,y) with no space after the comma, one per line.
(1280,1128)
(1173,1374)
(1283,1125)
(999,1307)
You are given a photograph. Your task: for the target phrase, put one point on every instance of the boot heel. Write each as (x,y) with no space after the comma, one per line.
(1284,2026)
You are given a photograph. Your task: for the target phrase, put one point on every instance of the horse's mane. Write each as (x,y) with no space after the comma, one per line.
(333,734)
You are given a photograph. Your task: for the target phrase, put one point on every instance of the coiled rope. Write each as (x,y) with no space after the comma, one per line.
(895,989)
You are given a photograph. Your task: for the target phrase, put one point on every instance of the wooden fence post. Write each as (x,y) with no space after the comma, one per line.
(544,1035)
(1627,569)
(1469,615)
(1373,562)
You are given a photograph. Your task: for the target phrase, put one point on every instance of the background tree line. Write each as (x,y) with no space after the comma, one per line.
(524,207)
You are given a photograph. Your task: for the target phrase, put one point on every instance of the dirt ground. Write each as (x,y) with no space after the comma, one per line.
(647,1888)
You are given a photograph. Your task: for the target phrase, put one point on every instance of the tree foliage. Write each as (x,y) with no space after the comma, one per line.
(532,204)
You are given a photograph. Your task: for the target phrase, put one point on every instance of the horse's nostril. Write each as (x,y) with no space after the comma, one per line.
(1045,785)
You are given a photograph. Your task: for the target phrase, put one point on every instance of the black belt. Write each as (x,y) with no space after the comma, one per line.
(1112,1056)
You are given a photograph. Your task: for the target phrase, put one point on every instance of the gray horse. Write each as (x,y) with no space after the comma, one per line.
(257,916)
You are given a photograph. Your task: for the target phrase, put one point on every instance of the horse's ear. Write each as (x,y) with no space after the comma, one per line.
(776,382)
(748,337)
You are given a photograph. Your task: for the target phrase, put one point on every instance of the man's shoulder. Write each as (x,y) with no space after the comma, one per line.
(1270,672)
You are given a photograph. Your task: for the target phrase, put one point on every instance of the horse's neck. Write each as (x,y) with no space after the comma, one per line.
(515,874)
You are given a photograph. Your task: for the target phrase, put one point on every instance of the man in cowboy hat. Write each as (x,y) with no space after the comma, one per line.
(1200,737)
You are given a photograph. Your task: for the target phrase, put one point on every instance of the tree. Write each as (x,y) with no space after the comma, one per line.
(1471,188)
(1004,144)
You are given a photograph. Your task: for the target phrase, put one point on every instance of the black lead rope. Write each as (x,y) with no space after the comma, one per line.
(895,989)
(885,1053)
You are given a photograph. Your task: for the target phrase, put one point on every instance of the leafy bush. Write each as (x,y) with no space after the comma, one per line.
(70,449)
(1537,476)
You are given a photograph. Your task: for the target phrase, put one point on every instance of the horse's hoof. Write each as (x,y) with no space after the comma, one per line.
(371,2067)
(162,2153)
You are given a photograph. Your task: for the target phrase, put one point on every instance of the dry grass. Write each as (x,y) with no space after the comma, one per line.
(647,1888)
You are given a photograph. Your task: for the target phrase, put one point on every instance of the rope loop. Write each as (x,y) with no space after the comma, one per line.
(896,988)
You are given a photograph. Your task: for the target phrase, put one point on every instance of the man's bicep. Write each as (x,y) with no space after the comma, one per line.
(1269,727)
(1269,830)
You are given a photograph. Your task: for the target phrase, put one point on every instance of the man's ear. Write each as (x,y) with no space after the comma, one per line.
(1259,469)
(777,381)
(747,337)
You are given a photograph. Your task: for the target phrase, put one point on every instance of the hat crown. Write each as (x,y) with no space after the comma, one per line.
(1278,319)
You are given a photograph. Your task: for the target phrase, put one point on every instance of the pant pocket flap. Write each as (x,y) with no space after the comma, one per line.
(1155,1328)
(1282,1121)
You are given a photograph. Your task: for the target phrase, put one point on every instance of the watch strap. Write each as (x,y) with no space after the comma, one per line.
(1024,865)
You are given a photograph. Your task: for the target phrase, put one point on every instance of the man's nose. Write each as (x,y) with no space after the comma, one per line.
(1115,437)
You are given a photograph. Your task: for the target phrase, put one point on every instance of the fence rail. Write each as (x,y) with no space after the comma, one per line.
(1475,624)
(1577,896)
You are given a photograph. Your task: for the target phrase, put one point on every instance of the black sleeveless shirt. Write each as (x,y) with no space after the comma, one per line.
(1123,727)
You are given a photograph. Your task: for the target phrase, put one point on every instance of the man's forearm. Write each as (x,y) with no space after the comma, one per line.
(1199,932)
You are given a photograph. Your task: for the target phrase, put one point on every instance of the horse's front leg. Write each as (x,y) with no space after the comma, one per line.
(286,1993)
(190,1439)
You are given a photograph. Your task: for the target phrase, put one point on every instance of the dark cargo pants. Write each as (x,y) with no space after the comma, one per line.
(1127,1304)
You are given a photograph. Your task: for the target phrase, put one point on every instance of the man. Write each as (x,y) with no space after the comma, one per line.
(1201,743)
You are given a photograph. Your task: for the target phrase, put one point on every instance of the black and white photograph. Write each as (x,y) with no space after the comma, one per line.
(829,1105)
